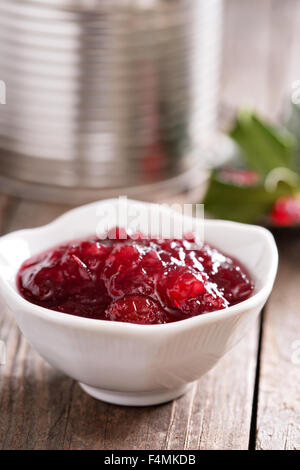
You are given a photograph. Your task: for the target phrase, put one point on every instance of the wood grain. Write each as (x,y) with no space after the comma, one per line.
(283,60)
(34,399)
(43,409)
(278,413)
(246,46)
(215,414)
(7,206)
(278,417)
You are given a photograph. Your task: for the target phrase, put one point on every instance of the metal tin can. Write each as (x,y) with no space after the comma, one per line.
(106,95)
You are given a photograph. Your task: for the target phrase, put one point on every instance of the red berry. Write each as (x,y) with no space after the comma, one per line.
(179,284)
(139,280)
(239,177)
(122,273)
(286,211)
(206,303)
(136,309)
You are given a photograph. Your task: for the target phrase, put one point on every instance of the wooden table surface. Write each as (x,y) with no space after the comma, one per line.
(251,399)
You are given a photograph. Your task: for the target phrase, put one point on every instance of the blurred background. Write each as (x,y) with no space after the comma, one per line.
(154,99)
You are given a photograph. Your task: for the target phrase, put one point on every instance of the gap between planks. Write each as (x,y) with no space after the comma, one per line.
(43,409)
(278,409)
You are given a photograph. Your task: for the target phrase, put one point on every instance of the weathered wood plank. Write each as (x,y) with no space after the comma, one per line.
(34,399)
(33,214)
(278,414)
(7,205)
(283,57)
(260,55)
(215,414)
(246,46)
(43,409)
(278,417)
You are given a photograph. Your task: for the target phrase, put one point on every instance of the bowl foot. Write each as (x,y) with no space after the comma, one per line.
(135,398)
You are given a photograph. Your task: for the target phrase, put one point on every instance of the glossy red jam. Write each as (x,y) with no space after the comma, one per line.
(136,280)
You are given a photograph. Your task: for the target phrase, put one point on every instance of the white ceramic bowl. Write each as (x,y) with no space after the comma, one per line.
(126,363)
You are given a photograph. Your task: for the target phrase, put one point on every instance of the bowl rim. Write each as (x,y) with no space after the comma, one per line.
(73,321)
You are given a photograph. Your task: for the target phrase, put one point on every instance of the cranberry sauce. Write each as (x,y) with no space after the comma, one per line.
(136,280)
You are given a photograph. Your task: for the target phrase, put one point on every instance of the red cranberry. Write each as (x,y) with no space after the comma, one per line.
(286,211)
(189,292)
(138,280)
(239,177)
(124,273)
(136,309)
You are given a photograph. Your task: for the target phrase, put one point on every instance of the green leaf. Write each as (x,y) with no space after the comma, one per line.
(263,146)
(240,203)
(292,124)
